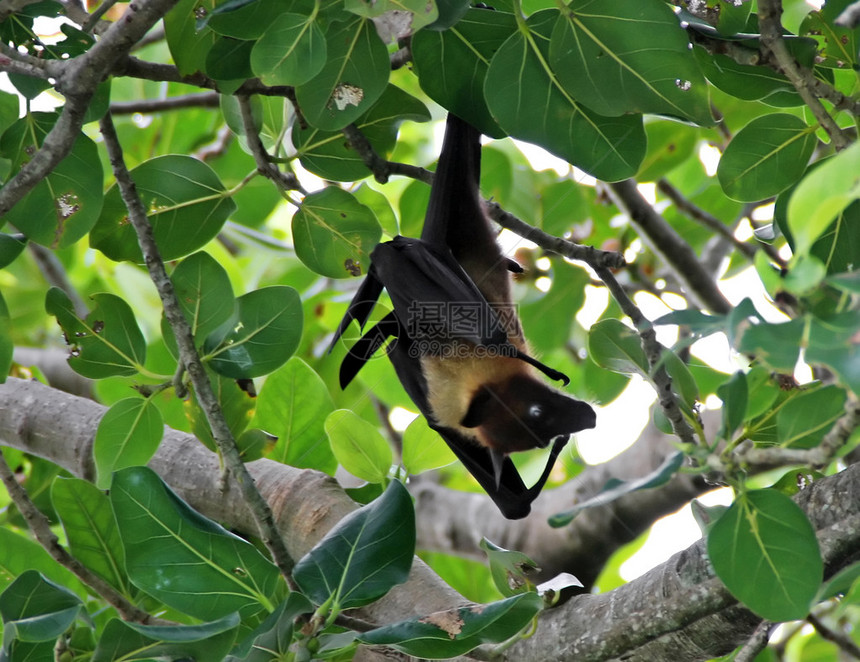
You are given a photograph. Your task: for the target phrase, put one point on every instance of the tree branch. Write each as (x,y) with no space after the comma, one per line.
(196,100)
(286,181)
(770,24)
(381,168)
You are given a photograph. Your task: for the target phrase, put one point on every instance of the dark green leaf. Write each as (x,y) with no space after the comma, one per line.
(334,233)
(609,148)
(107,343)
(19,554)
(123,640)
(358,446)
(88,521)
(35,609)
(452,64)
(10,248)
(204,292)
(292,406)
(183,559)
(734,394)
(354,76)
(447,634)
(765,551)
(766,157)
(833,342)
(246,19)
(364,555)
(615,489)
(777,345)
(747,81)
(810,416)
(619,57)
(236,405)
(839,583)
(188,47)
(185,201)
(66,202)
(260,337)
(270,641)
(229,59)
(291,51)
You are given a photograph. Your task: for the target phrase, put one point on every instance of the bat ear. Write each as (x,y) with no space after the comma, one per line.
(479,409)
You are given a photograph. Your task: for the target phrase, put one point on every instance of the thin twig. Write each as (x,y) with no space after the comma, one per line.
(287,181)
(770,24)
(41,528)
(195,100)
(188,353)
(840,639)
(755,644)
(381,168)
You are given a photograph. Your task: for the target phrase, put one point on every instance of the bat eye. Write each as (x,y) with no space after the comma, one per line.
(535,411)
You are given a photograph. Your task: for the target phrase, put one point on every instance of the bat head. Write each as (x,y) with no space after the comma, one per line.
(523,413)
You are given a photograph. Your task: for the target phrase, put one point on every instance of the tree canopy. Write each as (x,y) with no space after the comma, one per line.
(190,194)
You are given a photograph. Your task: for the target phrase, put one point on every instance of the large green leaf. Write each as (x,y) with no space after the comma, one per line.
(292,406)
(185,201)
(765,551)
(183,559)
(36,610)
(528,102)
(619,57)
(91,531)
(188,46)
(821,196)
(810,416)
(291,51)
(107,342)
(424,449)
(123,640)
(354,76)
(766,157)
(615,346)
(364,555)
(358,446)
(204,292)
(334,233)
(452,64)
(451,633)
(262,334)
(270,641)
(66,203)
(128,435)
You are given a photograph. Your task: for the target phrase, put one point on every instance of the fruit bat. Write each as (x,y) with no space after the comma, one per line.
(458,346)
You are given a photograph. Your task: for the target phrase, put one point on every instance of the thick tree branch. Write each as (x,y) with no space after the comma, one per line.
(221,433)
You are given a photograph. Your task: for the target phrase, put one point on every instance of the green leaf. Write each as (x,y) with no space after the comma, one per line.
(669,145)
(620,57)
(735,395)
(452,64)
(293,405)
(608,148)
(236,404)
(229,59)
(617,347)
(204,292)
(128,435)
(87,519)
(510,569)
(765,551)
(424,449)
(358,446)
(548,320)
(778,345)
(291,51)
(188,46)
(325,153)
(246,19)
(839,583)
(615,489)
(123,640)
(10,248)
(105,344)
(272,638)
(186,204)
(364,555)
(261,335)
(766,157)
(178,556)
(746,81)
(821,196)
(35,609)
(65,204)
(19,554)
(683,382)
(354,76)
(334,233)
(455,632)
(833,342)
